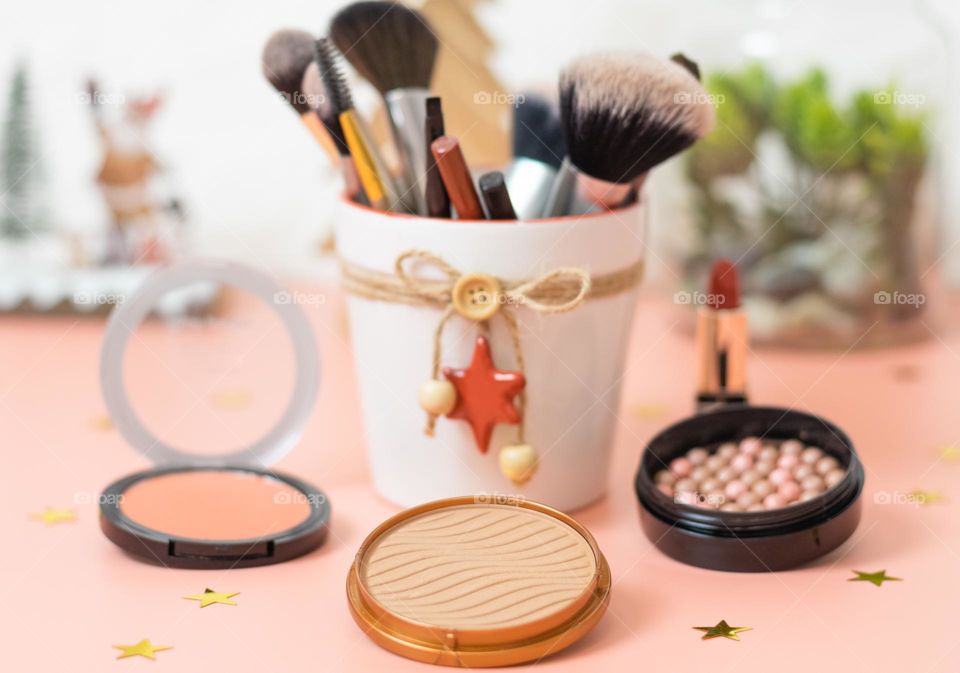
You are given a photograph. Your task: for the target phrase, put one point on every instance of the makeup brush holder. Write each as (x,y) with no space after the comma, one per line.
(573,361)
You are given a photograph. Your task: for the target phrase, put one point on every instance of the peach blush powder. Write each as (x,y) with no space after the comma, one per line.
(215,504)
(478,567)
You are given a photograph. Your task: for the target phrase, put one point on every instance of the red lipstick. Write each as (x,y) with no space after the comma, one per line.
(722,341)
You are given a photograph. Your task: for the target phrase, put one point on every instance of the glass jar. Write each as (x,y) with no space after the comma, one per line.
(820,179)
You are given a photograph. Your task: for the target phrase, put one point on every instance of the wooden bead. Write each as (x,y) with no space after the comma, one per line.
(437,397)
(518,462)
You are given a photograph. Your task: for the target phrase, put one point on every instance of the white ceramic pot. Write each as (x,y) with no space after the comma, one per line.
(574,361)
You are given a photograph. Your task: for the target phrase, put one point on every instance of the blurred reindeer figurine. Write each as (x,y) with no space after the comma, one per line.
(143,229)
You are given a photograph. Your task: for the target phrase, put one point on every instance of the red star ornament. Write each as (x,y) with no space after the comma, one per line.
(484,394)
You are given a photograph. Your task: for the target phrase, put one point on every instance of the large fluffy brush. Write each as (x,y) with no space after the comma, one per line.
(286,56)
(538,150)
(371,169)
(322,103)
(394,48)
(623,114)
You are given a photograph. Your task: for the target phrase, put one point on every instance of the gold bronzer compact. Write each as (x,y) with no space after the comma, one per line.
(477,582)
(212,511)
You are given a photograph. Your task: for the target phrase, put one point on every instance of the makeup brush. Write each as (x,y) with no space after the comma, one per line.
(623,114)
(374,176)
(538,150)
(393,47)
(322,104)
(496,197)
(456,178)
(286,56)
(435,194)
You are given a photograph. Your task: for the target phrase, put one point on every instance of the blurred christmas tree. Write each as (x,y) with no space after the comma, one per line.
(20,176)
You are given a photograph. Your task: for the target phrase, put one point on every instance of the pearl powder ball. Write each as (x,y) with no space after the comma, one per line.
(808,495)
(685,485)
(714,463)
(685,498)
(763,488)
(666,489)
(712,500)
(748,499)
(770,453)
(665,477)
(697,456)
(791,447)
(750,446)
(788,461)
(726,474)
(790,490)
(812,483)
(750,477)
(774,501)
(680,467)
(731,507)
(802,471)
(711,484)
(699,473)
(742,462)
(727,450)
(780,476)
(757,507)
(764,467)
(826,464)
(811,454)
(833,477)
(735,489)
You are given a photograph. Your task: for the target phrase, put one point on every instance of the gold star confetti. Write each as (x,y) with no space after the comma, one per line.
(209,597)
(232,399)
(648,410)
(142,649)
(102,423)
(51,516)
(949,452)
(925,498)
(721,630)
(876,578)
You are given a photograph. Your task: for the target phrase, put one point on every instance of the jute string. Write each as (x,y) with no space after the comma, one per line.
(557,291)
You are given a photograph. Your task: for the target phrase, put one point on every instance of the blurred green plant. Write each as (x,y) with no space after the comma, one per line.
(859,161)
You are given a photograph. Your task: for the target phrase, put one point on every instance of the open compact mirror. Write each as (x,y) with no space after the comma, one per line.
(203,507)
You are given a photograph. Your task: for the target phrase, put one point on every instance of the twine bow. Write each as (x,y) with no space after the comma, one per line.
(556,291)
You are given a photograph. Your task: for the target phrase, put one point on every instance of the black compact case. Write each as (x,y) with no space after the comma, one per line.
(749,541)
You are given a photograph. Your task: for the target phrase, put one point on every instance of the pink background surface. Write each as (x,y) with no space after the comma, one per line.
(67,594)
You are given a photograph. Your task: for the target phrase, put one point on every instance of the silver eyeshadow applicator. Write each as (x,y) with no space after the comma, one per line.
(538,149)
(622,113)
(393,47)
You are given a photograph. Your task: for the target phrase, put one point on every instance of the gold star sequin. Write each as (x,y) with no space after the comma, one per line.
(648,410)
(876,578)
(51,516)
(232,399)
(209,597)
(925,498)
(721,630)
(142,649)
(102,423)
(949,452)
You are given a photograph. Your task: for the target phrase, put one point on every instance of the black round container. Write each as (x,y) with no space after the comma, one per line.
(749,541)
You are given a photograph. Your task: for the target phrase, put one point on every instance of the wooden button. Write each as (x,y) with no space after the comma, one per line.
(476,296)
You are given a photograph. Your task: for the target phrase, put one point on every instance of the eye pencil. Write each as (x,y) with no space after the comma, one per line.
(456,178)
(496,197)
(437,199)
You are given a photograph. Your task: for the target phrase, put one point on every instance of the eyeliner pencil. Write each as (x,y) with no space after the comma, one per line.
(437,199)
(496,198)
(456,178)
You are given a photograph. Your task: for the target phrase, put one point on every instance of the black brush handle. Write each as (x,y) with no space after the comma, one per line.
(437,199)
(495,197)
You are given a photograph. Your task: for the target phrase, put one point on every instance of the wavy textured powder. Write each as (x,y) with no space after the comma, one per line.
(478,567)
